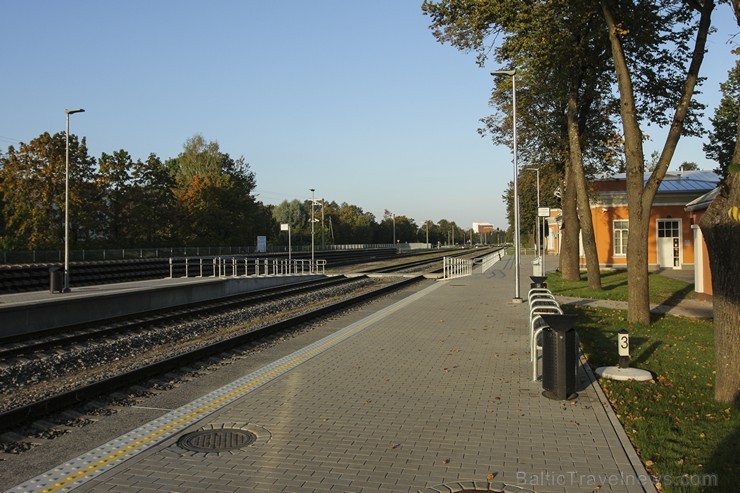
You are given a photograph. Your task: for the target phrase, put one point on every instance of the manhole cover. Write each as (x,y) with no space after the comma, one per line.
(218,440)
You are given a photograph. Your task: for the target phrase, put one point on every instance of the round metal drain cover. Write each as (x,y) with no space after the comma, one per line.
(217,440)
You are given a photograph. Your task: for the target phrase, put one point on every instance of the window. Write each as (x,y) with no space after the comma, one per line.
(668,229)
(621,232)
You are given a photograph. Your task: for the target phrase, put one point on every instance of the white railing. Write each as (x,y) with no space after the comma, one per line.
(241,266)
(456,267)
(491,259)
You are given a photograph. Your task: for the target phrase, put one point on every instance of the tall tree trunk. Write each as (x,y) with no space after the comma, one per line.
(569,254)
(584,207)
(640,194)
(721,229)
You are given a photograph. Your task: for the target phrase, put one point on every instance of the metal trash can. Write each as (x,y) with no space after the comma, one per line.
(538,282)
(559,363)
(56,275)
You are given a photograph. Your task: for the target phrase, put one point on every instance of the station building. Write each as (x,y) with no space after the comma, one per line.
(674,238)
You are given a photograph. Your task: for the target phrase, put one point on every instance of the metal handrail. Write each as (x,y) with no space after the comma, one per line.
(456,267)
(233,266)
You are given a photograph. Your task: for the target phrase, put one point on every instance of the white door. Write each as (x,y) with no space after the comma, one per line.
(669,243)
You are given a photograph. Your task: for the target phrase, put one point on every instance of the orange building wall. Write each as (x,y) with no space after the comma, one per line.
(603,218)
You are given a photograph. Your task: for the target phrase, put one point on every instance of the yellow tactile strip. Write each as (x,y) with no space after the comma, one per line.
(78,471)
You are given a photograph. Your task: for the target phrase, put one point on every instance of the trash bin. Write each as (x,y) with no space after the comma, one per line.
(559,363)
(56,275)
(538,282)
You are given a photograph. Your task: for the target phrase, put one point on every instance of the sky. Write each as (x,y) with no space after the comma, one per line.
(356,100)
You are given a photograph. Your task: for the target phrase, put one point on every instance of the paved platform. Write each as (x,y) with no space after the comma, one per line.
(100,290)
(33,311)
(432,393)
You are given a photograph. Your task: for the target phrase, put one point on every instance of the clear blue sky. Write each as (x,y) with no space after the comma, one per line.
(354,99)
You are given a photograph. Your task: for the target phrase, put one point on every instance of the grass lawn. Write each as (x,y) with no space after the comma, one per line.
(677,428)
(663,290)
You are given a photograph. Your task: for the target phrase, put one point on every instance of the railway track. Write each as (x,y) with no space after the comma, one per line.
(39,341)
(35,277)
(434,261)
(29,412)
(56,341)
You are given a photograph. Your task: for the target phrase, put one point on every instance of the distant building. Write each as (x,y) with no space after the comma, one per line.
(483,227)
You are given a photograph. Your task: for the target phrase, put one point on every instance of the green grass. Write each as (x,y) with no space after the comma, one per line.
(663,290)
(674,422)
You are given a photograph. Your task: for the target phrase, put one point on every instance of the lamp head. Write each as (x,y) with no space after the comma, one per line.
(504,72)
(72,112)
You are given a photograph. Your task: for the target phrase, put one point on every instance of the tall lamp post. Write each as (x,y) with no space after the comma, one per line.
(313,202)
(65,287)
(517,298)
(537,216)
(393,216)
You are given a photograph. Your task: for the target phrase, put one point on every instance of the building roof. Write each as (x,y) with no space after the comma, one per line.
(675,181)
(702,202)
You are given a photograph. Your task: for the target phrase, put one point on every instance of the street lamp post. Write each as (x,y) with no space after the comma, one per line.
(322,225)
(517,298)
(65,287)
(537,216)
(313,202)
(393,216)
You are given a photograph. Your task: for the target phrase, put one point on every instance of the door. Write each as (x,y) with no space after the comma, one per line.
(669,243)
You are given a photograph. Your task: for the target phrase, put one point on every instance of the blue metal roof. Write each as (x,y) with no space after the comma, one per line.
(686,181)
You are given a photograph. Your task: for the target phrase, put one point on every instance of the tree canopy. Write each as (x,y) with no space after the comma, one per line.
(723,135)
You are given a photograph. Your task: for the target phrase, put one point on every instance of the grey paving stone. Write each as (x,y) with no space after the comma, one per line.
(437,391)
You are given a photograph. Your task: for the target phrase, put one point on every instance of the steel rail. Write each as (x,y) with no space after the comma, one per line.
(17,416)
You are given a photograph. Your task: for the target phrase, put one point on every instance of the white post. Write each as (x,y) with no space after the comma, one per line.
(517,298)
(65,287)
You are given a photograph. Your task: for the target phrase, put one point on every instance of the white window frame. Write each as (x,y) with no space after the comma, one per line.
(623,232)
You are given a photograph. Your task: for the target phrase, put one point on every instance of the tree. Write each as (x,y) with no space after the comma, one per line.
(720,226)
(32,180)
(353,225)
(688,166)
(291,213)
(559,50)
(649,43)
(200,158)
(153,204)
(722,137)
(215,195)
(403,228)
(114,182)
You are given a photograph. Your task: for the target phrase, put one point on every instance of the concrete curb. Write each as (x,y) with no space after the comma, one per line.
(686,308)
